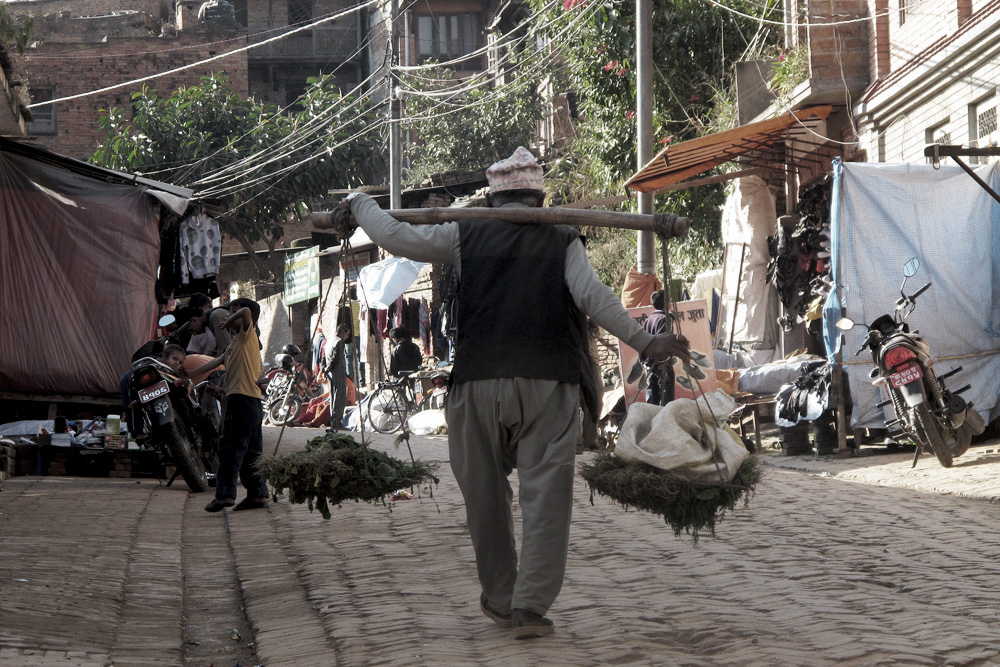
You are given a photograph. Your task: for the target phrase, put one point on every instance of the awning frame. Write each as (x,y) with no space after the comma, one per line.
(678,162)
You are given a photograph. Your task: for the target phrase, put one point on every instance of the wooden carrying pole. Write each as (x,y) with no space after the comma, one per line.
(524,216)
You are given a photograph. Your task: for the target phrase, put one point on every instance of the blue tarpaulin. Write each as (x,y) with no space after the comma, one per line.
(890,213)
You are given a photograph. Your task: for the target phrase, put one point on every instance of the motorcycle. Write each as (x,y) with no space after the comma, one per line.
(182,425)
(290,386)
(937,419)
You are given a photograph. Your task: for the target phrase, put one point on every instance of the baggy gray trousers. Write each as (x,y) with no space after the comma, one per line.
(533,425)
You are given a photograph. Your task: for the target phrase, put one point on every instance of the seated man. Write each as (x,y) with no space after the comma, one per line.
(405,355)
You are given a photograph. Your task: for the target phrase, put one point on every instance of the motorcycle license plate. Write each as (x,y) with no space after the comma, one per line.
(906,376)
(153,391)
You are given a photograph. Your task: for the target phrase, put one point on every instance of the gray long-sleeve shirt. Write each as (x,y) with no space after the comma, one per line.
(439,244)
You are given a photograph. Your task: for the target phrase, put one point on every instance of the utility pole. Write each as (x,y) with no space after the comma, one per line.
(644,117)
(395,146)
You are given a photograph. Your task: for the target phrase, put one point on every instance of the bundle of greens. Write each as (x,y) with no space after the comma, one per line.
(686,507)
(334,468)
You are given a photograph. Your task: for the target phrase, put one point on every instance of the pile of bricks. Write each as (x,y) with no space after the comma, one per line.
(8,459)
(56,463)
(122,466)
(436,200)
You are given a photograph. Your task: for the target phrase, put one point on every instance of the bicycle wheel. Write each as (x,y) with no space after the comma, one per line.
(386,410)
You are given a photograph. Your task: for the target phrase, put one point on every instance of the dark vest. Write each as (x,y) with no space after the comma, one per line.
(516,317)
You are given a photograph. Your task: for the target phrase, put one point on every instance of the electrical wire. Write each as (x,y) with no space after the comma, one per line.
(191,166)
(220,56)
(813,23)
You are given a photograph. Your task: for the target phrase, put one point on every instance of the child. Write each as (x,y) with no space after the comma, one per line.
(241,441)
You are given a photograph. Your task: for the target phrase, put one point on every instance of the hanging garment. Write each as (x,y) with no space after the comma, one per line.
(364,328)
(200,247)
(425,324)
(411,318)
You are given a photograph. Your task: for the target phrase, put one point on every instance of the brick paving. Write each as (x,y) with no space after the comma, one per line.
(835,562)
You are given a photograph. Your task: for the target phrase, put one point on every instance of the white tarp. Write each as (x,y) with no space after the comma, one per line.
(383,282)
(893,212)
(748,218)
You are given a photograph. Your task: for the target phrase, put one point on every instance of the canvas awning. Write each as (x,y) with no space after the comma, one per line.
(762,143)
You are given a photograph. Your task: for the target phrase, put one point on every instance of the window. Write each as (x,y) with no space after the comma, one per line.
(937,134)
(299,11)
(983,126)
(44,118)
(447,36)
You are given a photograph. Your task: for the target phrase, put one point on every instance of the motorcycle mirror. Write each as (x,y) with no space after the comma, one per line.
(844,324)
(166,321)
(911,267)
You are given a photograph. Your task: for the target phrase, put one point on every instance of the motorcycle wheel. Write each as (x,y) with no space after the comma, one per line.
(386,411)
(182,453)
(930,434)
(284,412)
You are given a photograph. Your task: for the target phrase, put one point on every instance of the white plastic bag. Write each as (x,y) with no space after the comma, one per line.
(383,282)
(670,438)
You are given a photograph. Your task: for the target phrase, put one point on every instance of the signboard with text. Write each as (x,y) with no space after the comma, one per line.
(698,377)
(302,276)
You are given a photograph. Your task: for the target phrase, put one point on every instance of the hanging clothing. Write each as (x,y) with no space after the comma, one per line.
(411,318)
(200,247)
(425,324)
(363,331)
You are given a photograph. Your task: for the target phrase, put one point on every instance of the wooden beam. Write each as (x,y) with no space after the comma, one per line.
(708,180)
(718,178)
(521,216)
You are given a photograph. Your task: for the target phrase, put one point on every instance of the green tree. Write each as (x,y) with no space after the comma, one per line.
(264,166)
(475,126)
(15,31)
(694,47)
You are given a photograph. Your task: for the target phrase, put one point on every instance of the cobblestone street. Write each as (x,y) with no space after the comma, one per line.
(835,562)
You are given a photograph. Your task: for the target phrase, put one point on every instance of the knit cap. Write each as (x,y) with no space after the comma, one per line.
(518,172)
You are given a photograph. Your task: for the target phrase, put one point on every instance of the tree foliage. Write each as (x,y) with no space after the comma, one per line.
(264,165)
(15,31)
(694,47)
(474,127)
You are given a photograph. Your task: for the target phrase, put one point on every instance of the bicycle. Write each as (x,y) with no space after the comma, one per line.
(395,399)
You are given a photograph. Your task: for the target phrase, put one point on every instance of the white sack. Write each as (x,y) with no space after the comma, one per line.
(749,217)
(428,422)
(669,438)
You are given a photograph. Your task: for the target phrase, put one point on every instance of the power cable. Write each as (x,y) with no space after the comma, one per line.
(210,59)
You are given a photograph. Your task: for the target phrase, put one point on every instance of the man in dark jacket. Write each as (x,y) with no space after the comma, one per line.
(523,294)
(406,355)
(660,374)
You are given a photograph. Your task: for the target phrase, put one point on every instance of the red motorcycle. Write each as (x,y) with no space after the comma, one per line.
(289,386)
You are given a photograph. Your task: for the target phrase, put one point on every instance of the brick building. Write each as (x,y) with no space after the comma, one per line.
(73,54)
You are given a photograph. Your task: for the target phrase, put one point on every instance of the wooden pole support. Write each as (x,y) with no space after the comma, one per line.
(522,216)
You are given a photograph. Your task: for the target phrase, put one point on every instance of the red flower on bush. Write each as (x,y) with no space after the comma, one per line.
(611,65)
(630,114)
(570,4)
(666,140)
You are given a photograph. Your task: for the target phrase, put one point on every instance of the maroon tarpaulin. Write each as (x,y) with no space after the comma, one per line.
(78,262)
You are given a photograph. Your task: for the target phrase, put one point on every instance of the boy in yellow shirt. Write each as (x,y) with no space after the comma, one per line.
(241,441)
